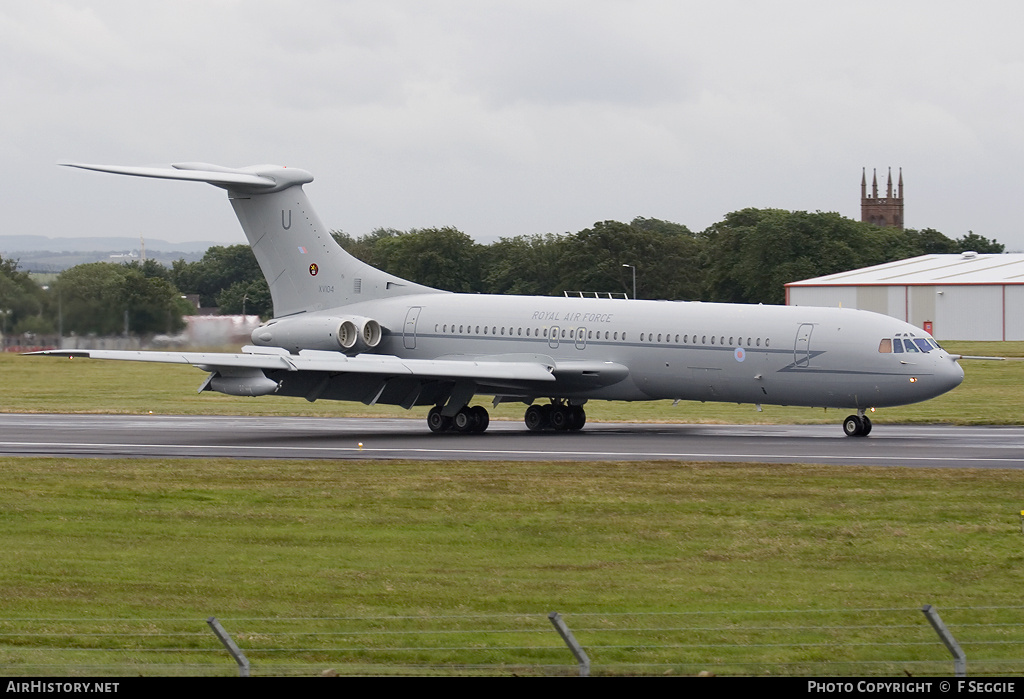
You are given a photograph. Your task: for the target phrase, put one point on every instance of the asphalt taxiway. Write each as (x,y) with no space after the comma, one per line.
(373,438)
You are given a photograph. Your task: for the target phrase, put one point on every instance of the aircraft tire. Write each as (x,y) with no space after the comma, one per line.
(535,419)
(464,420)
(866,430)
(561,418)
(436,421)
(577,418)
(853,426)
(481,418)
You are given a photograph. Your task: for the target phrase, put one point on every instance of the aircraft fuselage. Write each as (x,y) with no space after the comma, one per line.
(783,355)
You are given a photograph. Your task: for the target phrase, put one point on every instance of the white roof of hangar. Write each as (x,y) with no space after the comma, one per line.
(937,270)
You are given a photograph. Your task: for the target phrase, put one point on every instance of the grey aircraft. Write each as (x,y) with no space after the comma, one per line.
(343,330)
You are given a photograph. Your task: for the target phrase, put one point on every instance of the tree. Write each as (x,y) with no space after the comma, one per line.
(664,253)
(99,297)
(929,241)
(249,297)
(753,253)
(528,265)
(979,243)
(221,266)
(22,301)
(443,258)
(366,247)
(150,268)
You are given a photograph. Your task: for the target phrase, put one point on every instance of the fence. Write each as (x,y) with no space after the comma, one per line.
(819,643)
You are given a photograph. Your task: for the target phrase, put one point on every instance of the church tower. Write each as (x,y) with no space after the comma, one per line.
(884,211)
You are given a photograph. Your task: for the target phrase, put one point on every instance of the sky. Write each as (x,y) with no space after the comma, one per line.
(511,118)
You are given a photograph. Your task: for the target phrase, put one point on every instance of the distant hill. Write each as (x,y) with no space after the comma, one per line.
(40,253)
(33,243)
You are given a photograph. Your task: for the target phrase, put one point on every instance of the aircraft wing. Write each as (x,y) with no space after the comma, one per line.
(333,362)
(373,378)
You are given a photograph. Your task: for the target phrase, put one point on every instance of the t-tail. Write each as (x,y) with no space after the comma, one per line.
(306,269)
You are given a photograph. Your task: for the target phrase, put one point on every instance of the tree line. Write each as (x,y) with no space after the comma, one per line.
(745,258)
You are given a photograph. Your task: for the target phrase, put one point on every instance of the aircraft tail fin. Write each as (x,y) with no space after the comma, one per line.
(306,269)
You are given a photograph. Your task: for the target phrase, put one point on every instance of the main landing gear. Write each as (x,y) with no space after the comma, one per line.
(475,419)
(555,416)
(858,425)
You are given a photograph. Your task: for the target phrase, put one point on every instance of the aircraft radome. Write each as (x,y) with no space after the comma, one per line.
(343,330)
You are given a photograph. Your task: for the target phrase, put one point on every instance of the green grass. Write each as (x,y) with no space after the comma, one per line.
(990,394)
(132,541)
(186,539)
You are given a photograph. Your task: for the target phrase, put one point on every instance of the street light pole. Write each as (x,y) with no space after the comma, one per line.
(633,267)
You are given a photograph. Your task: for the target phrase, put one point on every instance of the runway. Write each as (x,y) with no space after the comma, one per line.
(340,438)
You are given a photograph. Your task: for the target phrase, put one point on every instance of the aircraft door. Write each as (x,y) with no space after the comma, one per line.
(409,330)
(553,336)
(581,338)
(802,346)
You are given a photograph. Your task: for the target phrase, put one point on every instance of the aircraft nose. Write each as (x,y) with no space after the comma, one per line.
(950,374)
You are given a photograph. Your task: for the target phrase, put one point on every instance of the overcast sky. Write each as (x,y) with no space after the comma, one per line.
(511,118)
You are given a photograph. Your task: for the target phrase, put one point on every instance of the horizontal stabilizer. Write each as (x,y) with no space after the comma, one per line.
(259,178)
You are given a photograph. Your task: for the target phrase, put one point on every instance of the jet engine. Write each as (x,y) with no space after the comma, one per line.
(347,334)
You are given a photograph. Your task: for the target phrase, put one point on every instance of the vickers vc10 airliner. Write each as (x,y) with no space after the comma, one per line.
(343,330)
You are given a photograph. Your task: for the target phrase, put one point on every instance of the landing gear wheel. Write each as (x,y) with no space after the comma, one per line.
(561,418)
(463,420)
(481,418)
(535,418)
(856,426)
(577,417)
(436,421)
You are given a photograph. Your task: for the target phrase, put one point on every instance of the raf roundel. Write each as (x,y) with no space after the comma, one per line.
(313,269)
(740,354)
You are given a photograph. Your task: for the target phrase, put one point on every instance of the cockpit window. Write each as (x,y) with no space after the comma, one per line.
(911,347)
(897,345)
(923,344)
(885,346)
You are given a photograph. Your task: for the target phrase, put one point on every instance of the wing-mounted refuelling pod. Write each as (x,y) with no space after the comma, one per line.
(240,382)
(350,334)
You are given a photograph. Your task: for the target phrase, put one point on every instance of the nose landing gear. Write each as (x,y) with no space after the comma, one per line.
(858,425)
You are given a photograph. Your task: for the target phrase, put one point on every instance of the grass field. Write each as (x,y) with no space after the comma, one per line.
(990,394)
(138,539)
(157,539)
